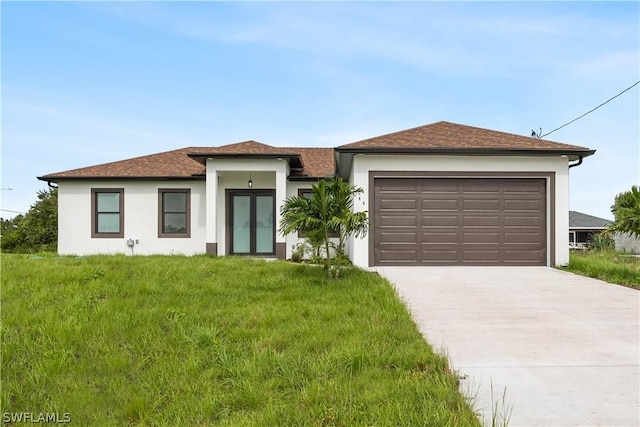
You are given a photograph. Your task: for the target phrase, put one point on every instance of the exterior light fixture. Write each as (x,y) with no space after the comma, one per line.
(250,183)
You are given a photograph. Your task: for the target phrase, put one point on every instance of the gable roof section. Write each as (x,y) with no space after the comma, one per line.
(444,138)
(305,162)
(249,149)
(188,163)
(584,221)
(451,137)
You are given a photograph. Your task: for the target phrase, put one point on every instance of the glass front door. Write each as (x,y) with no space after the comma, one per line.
(252,215)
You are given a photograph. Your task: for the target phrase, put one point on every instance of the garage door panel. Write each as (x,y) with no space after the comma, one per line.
(399,237)
(448,256)
(398,221)
(439,221)
(485,186)
(459,221)
(400,203)
(532,187)
(439,186)
(451,237)
(481,205)
(486,237)
(486,256)
(522,221)
(522,205)
(490,220)
(397,186)
(440,205)
(522,238)
(397,255)
(529,256)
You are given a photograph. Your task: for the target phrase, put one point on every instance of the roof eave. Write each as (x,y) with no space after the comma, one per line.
(308,178)
(46,178)
(466,151)
(202,157)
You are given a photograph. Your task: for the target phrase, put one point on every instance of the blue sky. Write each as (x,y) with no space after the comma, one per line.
(85,83)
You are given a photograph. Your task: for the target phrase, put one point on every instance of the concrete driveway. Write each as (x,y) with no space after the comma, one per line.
(564,347)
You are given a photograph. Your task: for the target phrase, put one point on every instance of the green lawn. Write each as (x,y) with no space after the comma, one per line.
(610,266)
(115,340)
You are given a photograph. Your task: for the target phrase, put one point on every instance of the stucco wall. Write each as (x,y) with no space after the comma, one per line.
(627,243)
(140,219)
(228,174)
(363,164)
(141,212)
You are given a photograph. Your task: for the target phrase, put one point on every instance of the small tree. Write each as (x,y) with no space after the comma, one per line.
(344,220)
(9,238)
(626,211)
(314,214)
(329,210)
(37,230)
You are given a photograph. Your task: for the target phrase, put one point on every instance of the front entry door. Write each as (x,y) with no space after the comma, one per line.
(252,222)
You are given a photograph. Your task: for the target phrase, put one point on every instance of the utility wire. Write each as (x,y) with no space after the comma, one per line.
(590,111)
(7,210)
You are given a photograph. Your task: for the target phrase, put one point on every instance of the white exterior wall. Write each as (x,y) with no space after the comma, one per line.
(363,163)
(292,190)
(233,174)
(140,219)
(627,242)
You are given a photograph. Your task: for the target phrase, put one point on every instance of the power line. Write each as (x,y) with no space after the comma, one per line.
(7,210)
(590,111)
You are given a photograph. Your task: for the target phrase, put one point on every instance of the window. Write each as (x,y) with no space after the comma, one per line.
(307,193)
(107,212)
(174,212)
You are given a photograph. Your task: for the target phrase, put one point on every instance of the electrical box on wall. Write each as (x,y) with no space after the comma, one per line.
(130,243)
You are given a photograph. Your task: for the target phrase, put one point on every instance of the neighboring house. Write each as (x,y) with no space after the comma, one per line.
(440,194)
(583,227)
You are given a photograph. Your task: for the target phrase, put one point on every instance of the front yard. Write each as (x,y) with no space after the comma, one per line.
(195,341)
(610,266)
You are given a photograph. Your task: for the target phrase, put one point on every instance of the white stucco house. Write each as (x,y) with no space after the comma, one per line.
(440,194)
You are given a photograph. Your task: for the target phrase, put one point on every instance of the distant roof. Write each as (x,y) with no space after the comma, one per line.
(452,137)
(581,220)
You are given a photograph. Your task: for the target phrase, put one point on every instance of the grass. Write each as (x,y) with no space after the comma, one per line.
(610,266)
(115,340)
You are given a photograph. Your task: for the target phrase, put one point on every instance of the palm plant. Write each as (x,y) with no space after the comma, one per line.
(344,220)
(626,210)
(299,213)
(329,210)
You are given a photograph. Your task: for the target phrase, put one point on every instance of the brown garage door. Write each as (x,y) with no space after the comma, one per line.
(459,221)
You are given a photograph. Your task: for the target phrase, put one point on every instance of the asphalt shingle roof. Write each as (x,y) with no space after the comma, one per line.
(317,162)
(581,220)
(451,136)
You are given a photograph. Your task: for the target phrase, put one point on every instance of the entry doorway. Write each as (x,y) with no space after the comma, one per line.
(251,222)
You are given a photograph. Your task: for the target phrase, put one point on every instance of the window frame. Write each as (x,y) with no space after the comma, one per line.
(301,233)
(161,213)
(95,234)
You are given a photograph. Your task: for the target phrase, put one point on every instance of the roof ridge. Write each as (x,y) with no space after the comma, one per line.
(247,142)
(504,133)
